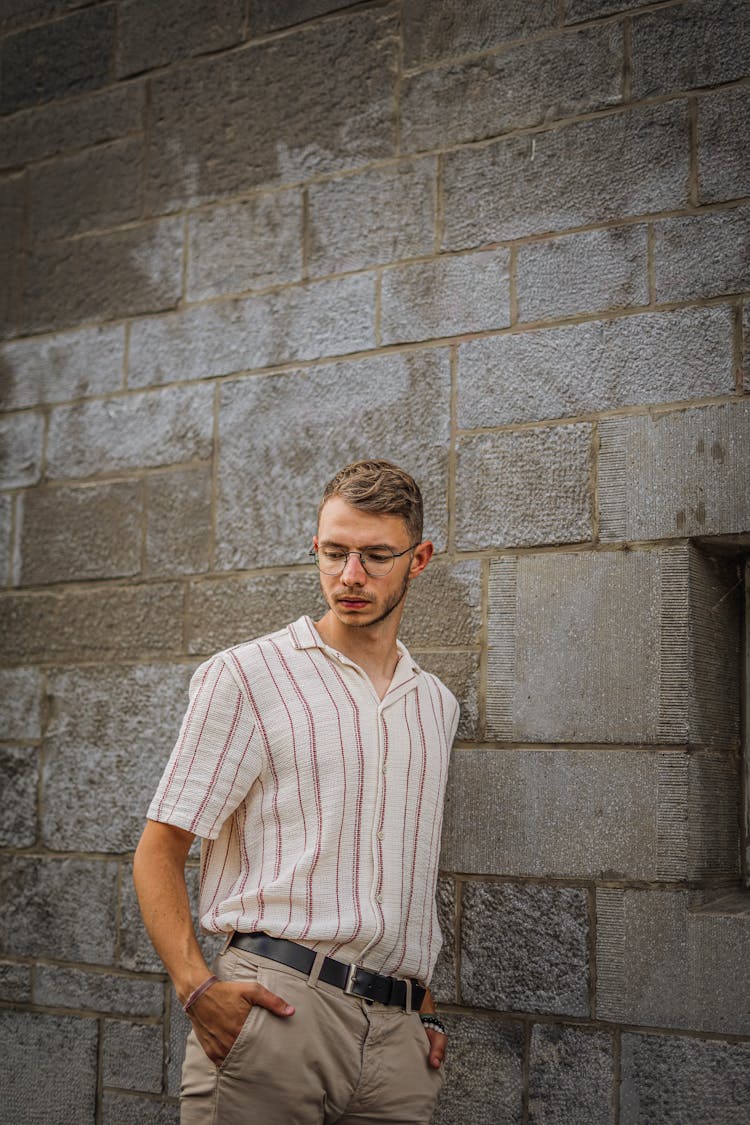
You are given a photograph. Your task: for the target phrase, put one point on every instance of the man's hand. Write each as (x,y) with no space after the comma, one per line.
(218,1015)
(438,1044)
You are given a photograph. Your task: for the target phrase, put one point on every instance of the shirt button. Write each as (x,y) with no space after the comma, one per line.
(379,898)
(384,768)
(380,835)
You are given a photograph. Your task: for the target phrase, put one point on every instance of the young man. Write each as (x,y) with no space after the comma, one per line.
(312,763)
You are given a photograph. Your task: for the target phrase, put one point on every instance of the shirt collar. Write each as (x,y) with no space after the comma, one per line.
(304,635)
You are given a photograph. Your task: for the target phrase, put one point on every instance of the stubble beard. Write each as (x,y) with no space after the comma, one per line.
(392,603)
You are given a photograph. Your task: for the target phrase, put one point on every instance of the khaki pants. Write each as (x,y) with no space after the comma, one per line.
(337,1059)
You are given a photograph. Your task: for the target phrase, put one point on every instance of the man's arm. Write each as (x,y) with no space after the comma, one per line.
(159,876)
(438,1042)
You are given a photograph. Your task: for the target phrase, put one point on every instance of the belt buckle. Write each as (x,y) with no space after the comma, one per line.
(351,980)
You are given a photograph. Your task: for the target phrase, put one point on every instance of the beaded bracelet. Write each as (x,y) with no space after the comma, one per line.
(199,991)
(429,1019)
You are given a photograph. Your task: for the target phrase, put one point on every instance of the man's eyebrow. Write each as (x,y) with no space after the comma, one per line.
(369,547)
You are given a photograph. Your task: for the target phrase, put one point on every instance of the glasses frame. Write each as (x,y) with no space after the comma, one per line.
(314,552)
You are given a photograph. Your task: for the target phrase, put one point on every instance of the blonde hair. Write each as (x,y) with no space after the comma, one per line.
(379,486)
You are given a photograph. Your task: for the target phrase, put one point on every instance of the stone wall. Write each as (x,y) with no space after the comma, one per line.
(508,245)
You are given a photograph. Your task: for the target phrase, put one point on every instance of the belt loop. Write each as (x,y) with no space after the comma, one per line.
(407,1005)
(312,979)
(227,942)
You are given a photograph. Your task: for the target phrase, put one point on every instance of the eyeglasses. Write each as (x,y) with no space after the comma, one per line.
(375,563)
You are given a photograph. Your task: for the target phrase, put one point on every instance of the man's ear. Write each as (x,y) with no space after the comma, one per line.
(422,555)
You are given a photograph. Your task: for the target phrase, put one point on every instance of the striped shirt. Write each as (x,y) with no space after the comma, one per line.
(319,805)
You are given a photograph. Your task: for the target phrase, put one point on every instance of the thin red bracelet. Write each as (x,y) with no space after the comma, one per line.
(199,991)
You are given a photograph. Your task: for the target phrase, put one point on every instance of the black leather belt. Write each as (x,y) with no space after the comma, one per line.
(352,979)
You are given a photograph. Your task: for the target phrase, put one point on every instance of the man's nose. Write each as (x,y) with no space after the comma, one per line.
(353,574)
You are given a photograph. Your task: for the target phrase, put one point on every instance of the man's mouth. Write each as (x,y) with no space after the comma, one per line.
(353,603)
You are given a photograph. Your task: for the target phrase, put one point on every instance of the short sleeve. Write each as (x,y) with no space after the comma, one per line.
(217,756)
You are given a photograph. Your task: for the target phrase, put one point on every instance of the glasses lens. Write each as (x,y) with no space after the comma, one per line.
(375,563)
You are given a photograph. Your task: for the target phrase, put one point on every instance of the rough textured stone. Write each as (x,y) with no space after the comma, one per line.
(443,982)
(723,160)
(55,368)
(673,1080)
(136,951)
(20,13)
(266,509)
(226,611)
(92,624)
(483,1073)
(240,120)
(526,85)
(459,671)
(527,488)
(21,693)
(130,432)
(456,589)
(676,474)
(702,256)
(69,534)
(525,948)
(576,10)
(15,982)
(61,1053)
(178,526)
(268,15)
(47,919)
(571,1073)
(132,1056)
(108,740)
(376,216)
(48,130)
(99,187)
(649,943)
(667,673)
(746,345)
(21,438)
(598,269)
(698,43)
(103,992)
(137,270)
(445,297)
(124,1109)
(12,223)
(602,365)
(53,60)
(305,322)
(439,29)
(6,546)
(245,245)
(622,164)
(19,777)
(150,36)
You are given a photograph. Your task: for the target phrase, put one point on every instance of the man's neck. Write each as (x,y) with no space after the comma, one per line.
(372,647)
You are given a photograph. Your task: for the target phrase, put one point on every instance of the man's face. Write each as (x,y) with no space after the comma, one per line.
(357,599)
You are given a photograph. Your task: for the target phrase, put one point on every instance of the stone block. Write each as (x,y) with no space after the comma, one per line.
(35,134)
(456,589)
(445,297)
(178,521)
(125,1109)
(54,60)
(21,437)
(577,10)
(674,1080)
(459,671)
(13,191)
(136,951)
(243,119)
(70,534)
(19,782)
(400,411)
(269,15)
(746,345)
(662,964)
(571,1075)
(102,992)
(525,948)
(531,84)
(226,611)
(179,1026)
(373,217)
(68,365)
(698,43)
(6,534)
(306,322)
(597,269)
(61,1054)
(483,1072)
(600,365)
(109,736)
(439,29)
(135,431)
(675,474)
(99,187)
(127,272)
(245,245)
(622,164)
(62,908)
(132,1056)
(524,489)
(723,157)
(126,621)
(21,695)
(15,982)
(151,36)
(665,673)
(20,13)
(702,256)
(443,983)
